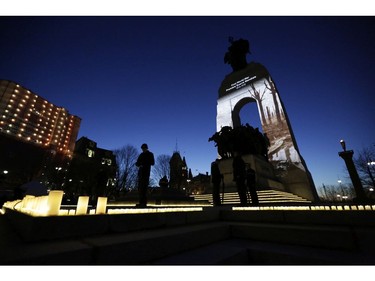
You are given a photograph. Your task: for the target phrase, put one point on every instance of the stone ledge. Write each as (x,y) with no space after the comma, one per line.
(57,227)
(303,235)
(145,239)
(144,247)
(320,217)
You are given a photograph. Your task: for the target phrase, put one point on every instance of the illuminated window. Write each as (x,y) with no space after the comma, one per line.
(106,161)
(90,153)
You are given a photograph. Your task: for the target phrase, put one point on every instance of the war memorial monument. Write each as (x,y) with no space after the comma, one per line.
(279,165)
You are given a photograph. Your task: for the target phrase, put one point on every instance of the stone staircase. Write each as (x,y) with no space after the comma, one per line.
(287,238)
(213,236)
(266,197)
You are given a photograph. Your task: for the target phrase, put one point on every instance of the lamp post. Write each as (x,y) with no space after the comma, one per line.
(347,155)
(342,190)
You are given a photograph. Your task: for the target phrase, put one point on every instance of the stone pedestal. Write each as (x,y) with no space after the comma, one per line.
(265,175)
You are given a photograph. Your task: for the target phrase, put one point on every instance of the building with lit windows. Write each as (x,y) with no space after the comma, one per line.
(27,118)
(92,171)
(31,118)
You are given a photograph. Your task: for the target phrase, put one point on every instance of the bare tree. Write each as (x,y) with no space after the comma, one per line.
(126,157)
(161,167)
(336,193)
(365,164)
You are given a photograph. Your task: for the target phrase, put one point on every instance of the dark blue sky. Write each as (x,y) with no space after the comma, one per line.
(156,79)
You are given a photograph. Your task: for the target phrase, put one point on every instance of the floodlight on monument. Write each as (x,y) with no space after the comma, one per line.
(343,145)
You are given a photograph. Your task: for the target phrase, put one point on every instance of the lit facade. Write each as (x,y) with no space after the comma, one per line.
(30,118)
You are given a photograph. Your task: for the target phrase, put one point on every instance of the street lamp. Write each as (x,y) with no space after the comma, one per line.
(343,196)
(347,155)
(338,197)
(343,145)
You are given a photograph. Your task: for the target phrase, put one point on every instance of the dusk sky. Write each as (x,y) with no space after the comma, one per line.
(155,79)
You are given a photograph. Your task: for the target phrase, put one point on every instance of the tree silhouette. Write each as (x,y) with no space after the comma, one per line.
(364,163)
(336,193)
(161,167)
(126,157)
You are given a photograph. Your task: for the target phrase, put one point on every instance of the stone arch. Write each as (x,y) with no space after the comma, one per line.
(236,118)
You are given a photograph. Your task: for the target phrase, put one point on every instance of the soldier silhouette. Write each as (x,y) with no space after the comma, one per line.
(144,162)
(251,185)
(216,178)
(239,176)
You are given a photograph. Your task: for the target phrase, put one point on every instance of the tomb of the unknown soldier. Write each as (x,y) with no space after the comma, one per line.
(287,226)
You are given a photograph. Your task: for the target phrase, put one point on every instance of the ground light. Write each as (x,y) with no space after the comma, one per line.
(50,205)
(308,208)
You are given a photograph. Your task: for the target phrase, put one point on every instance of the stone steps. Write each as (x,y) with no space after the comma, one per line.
(249,252)
(258,243)
(227,237)
(268,196)
(137,247)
